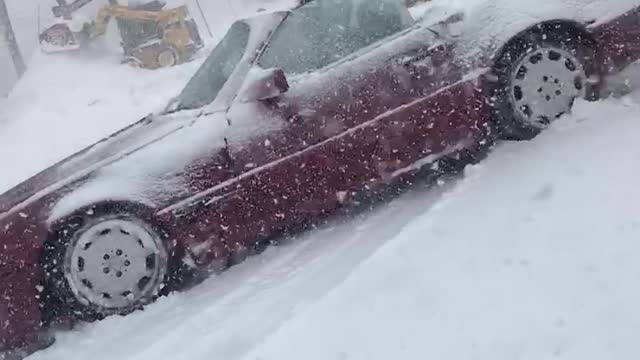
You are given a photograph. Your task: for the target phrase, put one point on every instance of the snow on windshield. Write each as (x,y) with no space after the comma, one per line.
(214,73)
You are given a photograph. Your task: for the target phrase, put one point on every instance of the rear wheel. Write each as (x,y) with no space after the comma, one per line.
(105,262)
(539,76)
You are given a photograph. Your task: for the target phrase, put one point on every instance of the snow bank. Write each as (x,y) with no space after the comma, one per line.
(530,257)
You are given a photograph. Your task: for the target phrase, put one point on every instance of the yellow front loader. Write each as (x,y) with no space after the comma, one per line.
(151,37)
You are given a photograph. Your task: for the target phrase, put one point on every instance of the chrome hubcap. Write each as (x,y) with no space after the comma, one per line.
(544,85)
(116,265)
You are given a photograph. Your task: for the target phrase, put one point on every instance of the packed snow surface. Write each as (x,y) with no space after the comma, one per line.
(532,254)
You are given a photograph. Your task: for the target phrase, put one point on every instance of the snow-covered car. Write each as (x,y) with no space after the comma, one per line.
(293,116)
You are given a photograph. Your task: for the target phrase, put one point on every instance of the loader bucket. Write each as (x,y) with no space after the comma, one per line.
(58,38)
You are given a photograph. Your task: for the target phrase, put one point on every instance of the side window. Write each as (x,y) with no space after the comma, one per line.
(325,31)
(378,19)
(211,77)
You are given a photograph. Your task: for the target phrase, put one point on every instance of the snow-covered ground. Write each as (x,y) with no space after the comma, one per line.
(532,255)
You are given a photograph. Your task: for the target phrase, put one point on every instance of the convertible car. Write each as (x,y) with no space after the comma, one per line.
(293,116)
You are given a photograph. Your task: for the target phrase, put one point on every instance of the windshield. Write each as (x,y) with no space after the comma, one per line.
(205,85)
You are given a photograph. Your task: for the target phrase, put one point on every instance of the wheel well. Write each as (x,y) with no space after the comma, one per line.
(55,302)
(567,34)
(107,206)
(144,212)
(572,28)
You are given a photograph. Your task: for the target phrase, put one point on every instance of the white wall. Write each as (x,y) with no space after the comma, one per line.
(7,72)
(24,16)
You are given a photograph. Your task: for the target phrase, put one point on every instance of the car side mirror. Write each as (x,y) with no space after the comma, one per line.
(263,84)
(442,19)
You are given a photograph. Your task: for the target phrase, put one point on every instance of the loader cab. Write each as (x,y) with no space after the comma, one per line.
(135,32)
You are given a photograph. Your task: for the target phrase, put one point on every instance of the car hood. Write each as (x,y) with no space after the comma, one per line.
(144,158)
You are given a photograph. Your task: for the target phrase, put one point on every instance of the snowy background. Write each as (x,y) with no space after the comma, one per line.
(29,17)
(531,255)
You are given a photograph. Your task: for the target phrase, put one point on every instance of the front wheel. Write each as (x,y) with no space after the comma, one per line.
(105,263)
(539,76)
(167,57)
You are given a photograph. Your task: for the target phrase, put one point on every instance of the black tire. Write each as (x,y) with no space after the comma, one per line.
(510,123)
(167,57)
(457,162)
(59,298)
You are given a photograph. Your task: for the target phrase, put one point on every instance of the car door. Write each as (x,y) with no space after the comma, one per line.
(338,80)
(441,108)
(343,123)
(327,50)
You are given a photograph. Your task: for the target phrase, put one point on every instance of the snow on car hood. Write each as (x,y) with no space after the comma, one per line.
(143,162)
(153,173)
(82,163)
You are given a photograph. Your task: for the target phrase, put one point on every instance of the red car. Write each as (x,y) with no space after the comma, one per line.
(293,116)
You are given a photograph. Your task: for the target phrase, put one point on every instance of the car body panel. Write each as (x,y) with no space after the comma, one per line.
(489,24)
(314,182)
(222,177)
(619,41)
